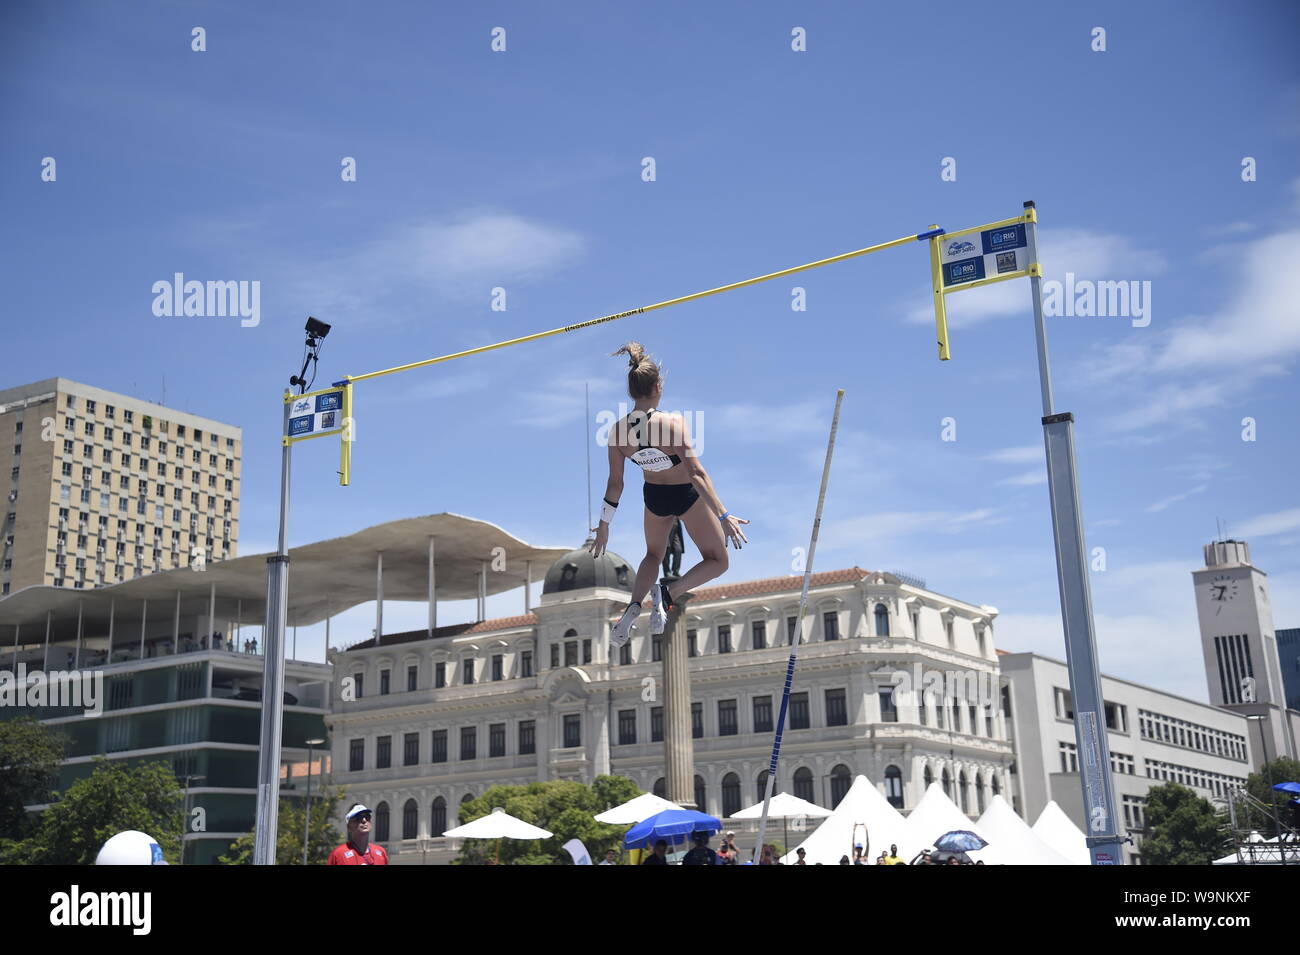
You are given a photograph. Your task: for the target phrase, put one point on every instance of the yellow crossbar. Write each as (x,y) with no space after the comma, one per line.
(635,311)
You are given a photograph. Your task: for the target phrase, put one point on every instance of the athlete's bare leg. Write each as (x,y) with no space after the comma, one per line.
(657,530)
(706,531)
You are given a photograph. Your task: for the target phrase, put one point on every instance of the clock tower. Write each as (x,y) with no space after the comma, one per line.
(1240,648)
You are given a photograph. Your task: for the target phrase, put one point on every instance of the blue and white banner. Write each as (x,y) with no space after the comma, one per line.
(983,255)
(310,415)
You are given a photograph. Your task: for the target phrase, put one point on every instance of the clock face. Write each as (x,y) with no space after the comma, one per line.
(1222,589)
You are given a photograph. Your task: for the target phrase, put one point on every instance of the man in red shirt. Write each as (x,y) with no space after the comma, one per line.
(358,850)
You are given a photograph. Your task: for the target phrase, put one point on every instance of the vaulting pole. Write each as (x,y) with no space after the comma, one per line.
(794,644)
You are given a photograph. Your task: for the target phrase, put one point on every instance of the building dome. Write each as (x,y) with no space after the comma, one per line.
(578,570)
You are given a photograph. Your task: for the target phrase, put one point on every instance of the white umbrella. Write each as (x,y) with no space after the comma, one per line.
(634,810)
(784,807)
(498,825)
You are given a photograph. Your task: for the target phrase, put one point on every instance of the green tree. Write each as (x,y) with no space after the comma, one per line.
(1281,770)
(1182,828)
(30,753)
(321,840)
(113,798)
(566,809)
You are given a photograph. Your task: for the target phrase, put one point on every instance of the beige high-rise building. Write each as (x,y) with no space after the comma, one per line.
(101,487)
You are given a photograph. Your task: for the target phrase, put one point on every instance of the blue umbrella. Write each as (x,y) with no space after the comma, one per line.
(959,840)
(1287,787)
(672,825)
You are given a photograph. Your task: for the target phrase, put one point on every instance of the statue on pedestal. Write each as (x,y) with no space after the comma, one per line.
(673,552)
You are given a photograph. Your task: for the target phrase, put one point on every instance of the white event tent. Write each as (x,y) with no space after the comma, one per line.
(934,815)
(1056,829)
(1011,841)
(835,837)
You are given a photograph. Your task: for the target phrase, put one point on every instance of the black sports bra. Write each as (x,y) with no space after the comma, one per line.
(651,458)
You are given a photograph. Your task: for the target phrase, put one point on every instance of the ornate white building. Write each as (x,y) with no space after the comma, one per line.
(421,724)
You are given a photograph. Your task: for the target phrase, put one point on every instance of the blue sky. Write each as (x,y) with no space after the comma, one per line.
(523,170)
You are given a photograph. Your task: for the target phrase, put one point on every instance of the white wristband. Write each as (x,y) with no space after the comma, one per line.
(607,511)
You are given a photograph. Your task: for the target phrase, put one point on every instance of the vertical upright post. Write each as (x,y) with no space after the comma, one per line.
(144,620)
(1076,594)
(212,615)
(112,607)
(482,590)
(176,626)
(45,663)
(327,630)
(679,742)
(379,597)
(528,586)
(277,600)
(17,629)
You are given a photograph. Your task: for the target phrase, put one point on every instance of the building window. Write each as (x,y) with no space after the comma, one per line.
(526,664)
(410,749)
(894,786)
(790,624)
(888,711)
(572,730)
(439,754)
(803,784)
(724,646)
(656,648)
(1117,717)
(1064,704)
(730,794)
(498,666)
(381,822)
(360,680)
(799,711)
(697,720)
(571,653)
(762,714)
(1069,757)
(626,727)
(727,723)
(468,742)
(467,671)
(356,755)
(412,678)
(496,739)
(438,817)
(384,752)
(882,620)
(963,791)
(691,647)
(384,681)
(555,655)
(759,630)
(625,653)
(830,625)
(837,713)
(701,794)
(527,737)
(656,724)
(410,820)
(841,780)
(439,675)
(586,650)
(952,638)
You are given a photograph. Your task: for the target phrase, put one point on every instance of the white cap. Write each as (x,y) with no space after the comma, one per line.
(131,848)
(356,810)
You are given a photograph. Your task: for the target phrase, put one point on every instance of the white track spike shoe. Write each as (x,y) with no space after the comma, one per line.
(621,632)
(659,610)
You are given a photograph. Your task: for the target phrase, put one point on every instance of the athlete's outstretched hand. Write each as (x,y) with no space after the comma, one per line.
(731,529)
(601,540)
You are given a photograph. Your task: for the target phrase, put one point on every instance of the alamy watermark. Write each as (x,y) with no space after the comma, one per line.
(1085,298)
(81,689)
(971,687)
(209,299)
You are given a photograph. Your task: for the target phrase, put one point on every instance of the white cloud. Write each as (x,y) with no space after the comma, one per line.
(856,532)
(1260,324)
(1088,254)
(1267,524)
(1163,503)
(1027,479)
(1025,454)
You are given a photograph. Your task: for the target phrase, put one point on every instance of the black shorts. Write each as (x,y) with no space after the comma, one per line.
(670,500)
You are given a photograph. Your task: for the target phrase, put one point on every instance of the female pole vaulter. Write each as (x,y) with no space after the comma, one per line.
(676,485)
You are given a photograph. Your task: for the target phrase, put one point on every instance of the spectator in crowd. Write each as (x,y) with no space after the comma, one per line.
(359,850)
(725,855)
(893,857)
(611,858)
(659,856)
(701,854)
(800,853)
